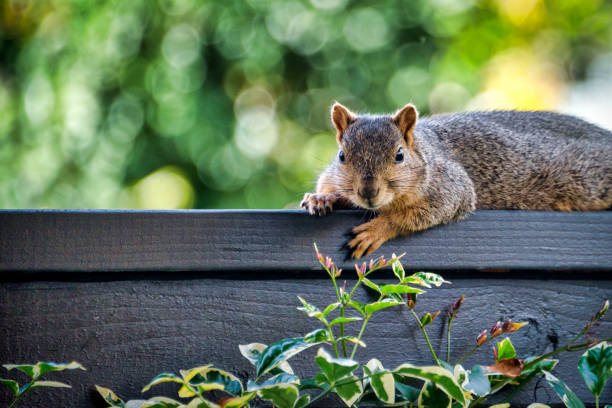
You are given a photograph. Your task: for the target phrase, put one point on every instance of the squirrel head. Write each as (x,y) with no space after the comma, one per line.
(376,161)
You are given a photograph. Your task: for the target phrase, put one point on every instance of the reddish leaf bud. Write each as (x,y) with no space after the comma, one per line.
(496,330)
(482,338)
(507,324)
(371,263)
(515,326)
(433,317)
(494,352)
(337,272)
(328,263)
(458,303)
(411,300)
(358,270)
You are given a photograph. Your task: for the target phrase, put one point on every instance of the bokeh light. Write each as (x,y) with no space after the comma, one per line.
(191,104)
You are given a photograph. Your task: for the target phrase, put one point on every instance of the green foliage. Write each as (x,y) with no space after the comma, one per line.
(443,385)
(225,104)
(505,350)
(34,372)
(595,367)
(567,396)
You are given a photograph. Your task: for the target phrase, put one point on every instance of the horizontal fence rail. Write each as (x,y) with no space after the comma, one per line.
(203,240)
(130,294)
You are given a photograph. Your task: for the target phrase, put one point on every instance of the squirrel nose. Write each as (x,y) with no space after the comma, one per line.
(368,191)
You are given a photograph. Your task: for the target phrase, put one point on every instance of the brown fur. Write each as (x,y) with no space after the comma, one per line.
(455,163)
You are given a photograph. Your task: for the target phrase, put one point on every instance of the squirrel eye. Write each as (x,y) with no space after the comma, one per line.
(399,156)
(341,156)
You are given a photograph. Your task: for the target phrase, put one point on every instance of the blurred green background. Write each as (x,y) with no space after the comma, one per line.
(225,104)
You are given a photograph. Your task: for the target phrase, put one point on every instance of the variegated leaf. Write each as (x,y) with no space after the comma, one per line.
(252,351)
(280,395)
(349,389)
(443,378)
(12,384)
(109,396)
(162,378)
(381,382)
(334,368)
(433,397)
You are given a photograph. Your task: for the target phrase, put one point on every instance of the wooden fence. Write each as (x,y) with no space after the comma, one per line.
(130,294)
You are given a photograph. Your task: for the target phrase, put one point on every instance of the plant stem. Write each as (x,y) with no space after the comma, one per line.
(321,395)
(596,401)
(448,339)
(365,321)
(342,331)
(15,402)
(433,353)
(331,337)
(469,353)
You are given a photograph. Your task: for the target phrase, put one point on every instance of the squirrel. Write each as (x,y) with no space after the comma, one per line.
(416,175)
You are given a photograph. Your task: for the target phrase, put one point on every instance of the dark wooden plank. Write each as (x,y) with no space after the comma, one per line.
(282,240)
(126,331)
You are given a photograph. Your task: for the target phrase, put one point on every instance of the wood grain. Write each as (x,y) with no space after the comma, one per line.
(127,330)
(252,241)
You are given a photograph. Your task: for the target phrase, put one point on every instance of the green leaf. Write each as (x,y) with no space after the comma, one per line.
(415,280)
(237,402)
(311,310)
(334,368)
(109,396)
(406,392)
(282,378)
(398,289)
(34,371)
(383,304)
(316,337)
(357,306)
(537,405)
(431,278)
(162,378)
(344,320)
(546,364)
(398,269)
(200,403)
(381,382)
(349,389)
(505,350)
(371,285)
(280,395)
(54,384)
(282,350)
(595,367)
(567,396)
(47,367)
(433,397)
(164,402)
(30,370)
(330,308)
(438,375)
(352,339)
(252,351)
(12,384)
(208,378)
(477,381)
(302,401)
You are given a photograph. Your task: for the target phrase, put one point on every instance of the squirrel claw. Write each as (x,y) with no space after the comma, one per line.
(368,237)
(318,203)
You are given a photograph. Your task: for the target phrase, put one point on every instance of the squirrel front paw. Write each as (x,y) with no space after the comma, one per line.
(369,237)
(318,203)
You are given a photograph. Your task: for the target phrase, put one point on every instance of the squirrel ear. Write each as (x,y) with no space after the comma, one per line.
(405,119)
(341,118)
